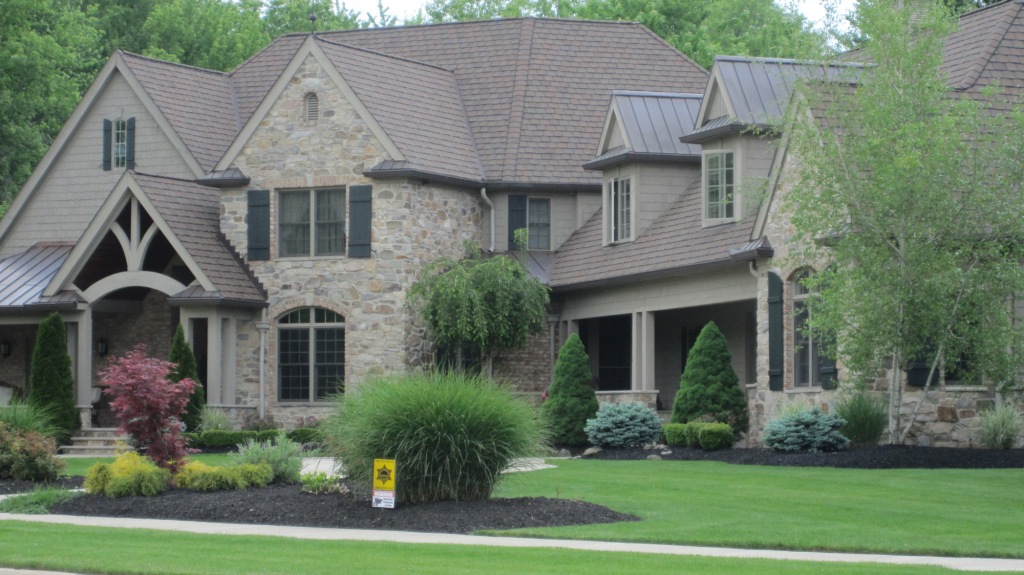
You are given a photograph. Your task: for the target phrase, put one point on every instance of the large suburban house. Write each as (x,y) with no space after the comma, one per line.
(280,212)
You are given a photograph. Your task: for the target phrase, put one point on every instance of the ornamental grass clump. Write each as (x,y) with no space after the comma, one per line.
(623,425)
(31,417)
(451,435)
(809,431)
(866,416)
(1000,427)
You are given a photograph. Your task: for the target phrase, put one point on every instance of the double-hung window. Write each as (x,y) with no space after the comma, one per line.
(620,210)
(120,143)
(719,186)
(538,216)
(311,354)
(805,344)
(312,222)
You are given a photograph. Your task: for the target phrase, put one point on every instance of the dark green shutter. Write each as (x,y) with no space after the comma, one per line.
(258,221)
(360,209)
(108,142)
(129,155)
(828,375)
(516,218)
(775,333)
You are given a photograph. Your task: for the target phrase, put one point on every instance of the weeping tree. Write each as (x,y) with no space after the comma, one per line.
(917,188)
(479,306)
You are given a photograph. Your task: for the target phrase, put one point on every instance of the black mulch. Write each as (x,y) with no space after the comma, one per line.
(287,505)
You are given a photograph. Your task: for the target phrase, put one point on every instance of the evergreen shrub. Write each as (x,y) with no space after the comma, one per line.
(27,455)
(866,415)
(282,454)
(709,385)
(809,431)
(202,477)
(675,434)
(450,434)
(623,425)
(185,368)
(714,436)
(129,475)
(1000,427)
(50,381)
(571,399)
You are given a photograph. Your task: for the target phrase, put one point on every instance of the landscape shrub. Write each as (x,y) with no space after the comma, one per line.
(252,421)
(129,475)
(319,482)
(1000,427)
(305,435)
(866,415)
(214,419)
(714,436)
(202,477)
(675,434)
(571,399)
(810,430)
(709,385)
(623,425)
(185,368)
(282,454)
(27,416)
(149,405)
(50,380)
(27,455)
(255,474)
(450,434)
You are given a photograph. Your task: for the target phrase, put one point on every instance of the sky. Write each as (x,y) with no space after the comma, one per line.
(813,10)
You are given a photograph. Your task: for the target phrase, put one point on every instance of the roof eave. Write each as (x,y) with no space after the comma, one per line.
(216,302)
(597,165)
(647,276)
(414,173)
(731,128)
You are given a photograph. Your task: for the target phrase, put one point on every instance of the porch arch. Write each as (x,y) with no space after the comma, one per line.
(122,280)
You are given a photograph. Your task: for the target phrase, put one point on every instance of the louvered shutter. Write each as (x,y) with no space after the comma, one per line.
(259,225)
(516,218)
(775,333)
(360,220)
(129,156)
(108,142)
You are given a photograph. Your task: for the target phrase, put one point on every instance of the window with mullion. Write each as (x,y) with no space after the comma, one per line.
(120,150)
(311,355)
(719,186)
(806,356)
(293,360)
(539,221)
(620,209)
(311,222)
(330,222)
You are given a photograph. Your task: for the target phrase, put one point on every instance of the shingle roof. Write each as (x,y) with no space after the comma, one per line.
(24,276)
(674,243)
(987,48)
(193,213)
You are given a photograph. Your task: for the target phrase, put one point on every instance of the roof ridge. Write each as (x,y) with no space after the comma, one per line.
(169,63)
(995,39)
(376,53)
(519,91)
(680,95)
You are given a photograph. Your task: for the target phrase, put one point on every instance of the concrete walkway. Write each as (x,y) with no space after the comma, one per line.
(957,563)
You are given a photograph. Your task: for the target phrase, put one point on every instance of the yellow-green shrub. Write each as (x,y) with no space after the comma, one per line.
(202,477)
(97,477)
(255,474)
(130,474)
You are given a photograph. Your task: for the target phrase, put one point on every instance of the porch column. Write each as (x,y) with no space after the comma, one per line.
(227,358)
(80,350)
(643,351)
(214,349)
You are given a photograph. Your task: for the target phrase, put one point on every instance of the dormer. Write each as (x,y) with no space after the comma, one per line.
(645,165)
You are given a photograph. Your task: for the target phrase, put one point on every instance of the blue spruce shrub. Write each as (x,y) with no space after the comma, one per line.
(809,431)
(623,425)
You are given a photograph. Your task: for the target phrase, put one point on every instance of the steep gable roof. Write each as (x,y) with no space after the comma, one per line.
(651,124)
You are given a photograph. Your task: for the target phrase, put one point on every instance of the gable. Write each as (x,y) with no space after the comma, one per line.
(72,183)
(613,137)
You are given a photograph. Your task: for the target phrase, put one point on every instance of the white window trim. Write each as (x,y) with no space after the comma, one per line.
(737,196)
(609,209)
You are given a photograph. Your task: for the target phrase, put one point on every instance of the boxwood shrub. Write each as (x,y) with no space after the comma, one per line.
(714,436)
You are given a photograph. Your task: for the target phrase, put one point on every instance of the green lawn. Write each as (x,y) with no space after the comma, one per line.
(122,551)
(78,465)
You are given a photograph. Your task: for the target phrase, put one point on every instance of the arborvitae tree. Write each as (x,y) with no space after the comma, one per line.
(185,368)
(709,385)
(571,401)
(50,381)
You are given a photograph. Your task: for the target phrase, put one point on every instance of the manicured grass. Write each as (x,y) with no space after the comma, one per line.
(77,465)
(908,511)
(36,502)
(131,551)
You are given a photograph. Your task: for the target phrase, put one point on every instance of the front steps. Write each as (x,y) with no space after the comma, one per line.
(95,442)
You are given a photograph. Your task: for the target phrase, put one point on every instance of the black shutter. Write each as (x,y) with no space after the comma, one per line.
(828,375)
(775,333)
(129,156)
(258,221)
(516,218)
(108,142)
(360,220)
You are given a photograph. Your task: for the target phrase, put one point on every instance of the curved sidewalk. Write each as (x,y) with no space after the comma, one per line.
(957,563)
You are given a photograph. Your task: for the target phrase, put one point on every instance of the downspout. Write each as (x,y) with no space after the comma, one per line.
(490,205)
(263,326)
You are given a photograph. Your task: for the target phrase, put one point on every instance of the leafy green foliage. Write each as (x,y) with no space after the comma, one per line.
(320,482)
(38,502)
(282,454)
(129,475)
(571,399)
(713,436)
(451,435)
(1000,427)
(482,305)
(866,417)
(919,188)
(809,431)
(185,368)
(50,381)
(27,455)
(709,386)
(675,433)
(623,425)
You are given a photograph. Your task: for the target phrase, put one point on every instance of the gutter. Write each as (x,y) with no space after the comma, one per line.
(490,206)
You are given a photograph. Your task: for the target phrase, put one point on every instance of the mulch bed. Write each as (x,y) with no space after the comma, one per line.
(287,505)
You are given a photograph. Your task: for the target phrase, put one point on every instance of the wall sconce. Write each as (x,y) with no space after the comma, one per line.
(5,349)
(101,347)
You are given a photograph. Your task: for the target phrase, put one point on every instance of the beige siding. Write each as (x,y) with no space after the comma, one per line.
(69,196)
(587,204)
(564,217)
(716,107)
(614,136)
(753,161)
(657,187)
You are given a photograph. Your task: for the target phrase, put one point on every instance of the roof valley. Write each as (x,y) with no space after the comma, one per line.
(518,102)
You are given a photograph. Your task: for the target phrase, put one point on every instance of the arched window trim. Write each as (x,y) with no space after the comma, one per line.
(311,354)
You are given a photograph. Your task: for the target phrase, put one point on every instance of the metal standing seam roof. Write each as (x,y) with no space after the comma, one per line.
(653,122)
(24,276)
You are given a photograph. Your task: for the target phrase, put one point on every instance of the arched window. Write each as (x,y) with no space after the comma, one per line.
(312,108)
(311,354)
(805,345)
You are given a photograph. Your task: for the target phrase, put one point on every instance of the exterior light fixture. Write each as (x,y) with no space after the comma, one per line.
(102,348)
(5,349)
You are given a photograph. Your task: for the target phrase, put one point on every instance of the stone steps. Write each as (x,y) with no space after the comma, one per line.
(95,442)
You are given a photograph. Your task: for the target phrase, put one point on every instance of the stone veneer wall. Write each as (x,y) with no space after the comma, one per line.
(413,224)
